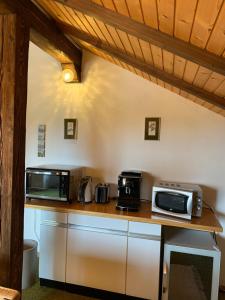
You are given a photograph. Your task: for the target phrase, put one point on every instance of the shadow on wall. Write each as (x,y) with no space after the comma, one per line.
(209,196)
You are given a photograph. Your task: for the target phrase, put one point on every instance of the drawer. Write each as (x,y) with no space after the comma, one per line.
(144,228)
(97,222)
(53,216)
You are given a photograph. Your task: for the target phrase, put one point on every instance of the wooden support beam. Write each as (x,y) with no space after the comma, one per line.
(46,35)
(146,33)
(143,66)
(14,43)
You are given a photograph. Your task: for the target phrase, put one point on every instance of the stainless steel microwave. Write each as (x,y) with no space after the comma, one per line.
(180,200)
(53,182)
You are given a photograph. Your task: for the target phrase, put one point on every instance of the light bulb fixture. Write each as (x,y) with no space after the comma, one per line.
(69,73)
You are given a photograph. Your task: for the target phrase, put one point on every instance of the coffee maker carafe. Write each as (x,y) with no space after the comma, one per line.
(129,188)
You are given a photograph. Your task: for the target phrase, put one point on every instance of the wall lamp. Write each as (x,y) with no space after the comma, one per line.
(69,73)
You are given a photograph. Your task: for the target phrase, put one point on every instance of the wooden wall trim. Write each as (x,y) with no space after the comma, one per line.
(143,66)
(14,43)
(146,33)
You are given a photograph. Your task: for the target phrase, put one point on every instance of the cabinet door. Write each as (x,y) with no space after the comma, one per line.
(53,240)
(96,259)
(143,265)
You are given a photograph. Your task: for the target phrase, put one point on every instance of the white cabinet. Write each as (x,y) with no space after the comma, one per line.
(97,249)
(53,241)
(143,260)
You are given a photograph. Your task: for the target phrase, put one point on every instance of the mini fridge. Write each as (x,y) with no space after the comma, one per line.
(191,265)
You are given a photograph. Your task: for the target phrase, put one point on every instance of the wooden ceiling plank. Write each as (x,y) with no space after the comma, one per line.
(120,6)
(107,33)
(166,15)
(142,66)
(190,71)
(201,77)
(81,17)
(166,21)
(46,6)
(131,44)
(146,50)
(220,91)
(66,13)
(150,17)
(120,37)
(179,66)
(205,20)
(214,82)
(216,42)
(185,12)
(134,10)
(146,33)
(157,57)
(206,16)
(126,42)
(183,22)
(150,14)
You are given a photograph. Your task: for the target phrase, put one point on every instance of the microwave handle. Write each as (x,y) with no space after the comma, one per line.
(165,278)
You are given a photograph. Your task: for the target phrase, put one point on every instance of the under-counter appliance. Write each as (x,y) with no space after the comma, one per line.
(85,190)
(102,193)
(182,200)
(191,265)
(53,182)
(129,189)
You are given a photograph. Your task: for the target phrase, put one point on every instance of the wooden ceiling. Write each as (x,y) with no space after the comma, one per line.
(177,44)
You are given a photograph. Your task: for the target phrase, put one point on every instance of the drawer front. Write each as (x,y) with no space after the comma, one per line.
(53,216)
(144,229)
(97,222)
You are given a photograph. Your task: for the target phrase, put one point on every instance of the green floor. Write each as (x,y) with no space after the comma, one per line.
(37,292)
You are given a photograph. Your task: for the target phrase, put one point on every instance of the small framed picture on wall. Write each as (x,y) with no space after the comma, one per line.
(152,128)
(70,128)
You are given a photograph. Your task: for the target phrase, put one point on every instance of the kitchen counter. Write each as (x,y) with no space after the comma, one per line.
(208,221)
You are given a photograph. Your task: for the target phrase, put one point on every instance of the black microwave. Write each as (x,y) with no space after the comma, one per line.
(53,182)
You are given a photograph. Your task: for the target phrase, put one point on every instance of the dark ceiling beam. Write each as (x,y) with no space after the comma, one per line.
(146,33)
(143,66)
(46,35)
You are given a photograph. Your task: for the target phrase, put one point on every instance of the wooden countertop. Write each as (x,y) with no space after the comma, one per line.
(208,221)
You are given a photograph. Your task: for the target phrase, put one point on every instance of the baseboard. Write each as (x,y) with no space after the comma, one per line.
(86,291)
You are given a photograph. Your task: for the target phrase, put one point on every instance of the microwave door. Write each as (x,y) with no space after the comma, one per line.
(43,185)
(174,203)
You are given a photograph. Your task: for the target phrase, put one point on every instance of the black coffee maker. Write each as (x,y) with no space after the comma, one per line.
(129,188)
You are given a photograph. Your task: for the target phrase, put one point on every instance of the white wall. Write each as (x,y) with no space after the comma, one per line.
(111,105)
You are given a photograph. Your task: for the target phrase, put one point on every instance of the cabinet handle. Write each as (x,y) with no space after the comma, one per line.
(165,277)
(144,236)
(97,229)
(53,223)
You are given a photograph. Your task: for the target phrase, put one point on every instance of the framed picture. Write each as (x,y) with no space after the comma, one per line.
(70,127)
(152,128)
(41,140)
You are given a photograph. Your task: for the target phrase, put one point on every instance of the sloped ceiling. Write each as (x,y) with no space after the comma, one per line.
(197,22)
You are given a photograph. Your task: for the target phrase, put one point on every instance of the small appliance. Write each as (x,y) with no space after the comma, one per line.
(102,193)
(53,182)
(180,200)
(85,190)
(129,188)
